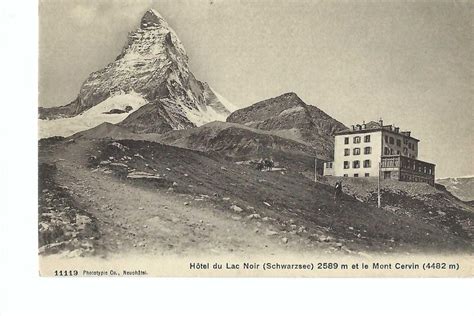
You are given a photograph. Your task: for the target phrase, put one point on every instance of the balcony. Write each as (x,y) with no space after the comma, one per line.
(389,162)
(407,169)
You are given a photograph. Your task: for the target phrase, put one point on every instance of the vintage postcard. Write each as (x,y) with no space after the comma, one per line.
(255,138)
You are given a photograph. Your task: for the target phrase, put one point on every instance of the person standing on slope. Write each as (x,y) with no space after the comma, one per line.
(338,191)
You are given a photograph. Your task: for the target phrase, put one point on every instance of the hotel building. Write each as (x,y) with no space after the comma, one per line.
(364,150)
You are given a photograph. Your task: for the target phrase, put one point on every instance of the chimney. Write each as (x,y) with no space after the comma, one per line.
(364,126)
(353,127)
(397,129)
(381,122)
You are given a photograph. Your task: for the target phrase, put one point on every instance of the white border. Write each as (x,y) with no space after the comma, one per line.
(22,291)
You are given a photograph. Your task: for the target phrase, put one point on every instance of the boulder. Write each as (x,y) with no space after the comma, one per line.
(236,208)
(254,216)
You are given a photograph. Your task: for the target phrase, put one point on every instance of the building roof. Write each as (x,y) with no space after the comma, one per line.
(373,126)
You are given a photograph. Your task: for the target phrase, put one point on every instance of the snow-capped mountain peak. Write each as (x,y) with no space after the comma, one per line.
(153,64)
(152,16)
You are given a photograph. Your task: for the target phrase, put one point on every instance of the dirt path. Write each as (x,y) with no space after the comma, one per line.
(202,204)
(132,219)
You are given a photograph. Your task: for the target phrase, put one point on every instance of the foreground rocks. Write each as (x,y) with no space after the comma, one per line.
(62,226)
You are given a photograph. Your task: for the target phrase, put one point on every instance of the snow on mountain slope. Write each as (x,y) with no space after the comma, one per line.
(92,117)
(154,64)
(227,104)
(204,114)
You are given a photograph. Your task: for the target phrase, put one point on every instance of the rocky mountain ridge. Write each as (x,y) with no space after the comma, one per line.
(460,187)
(290,117)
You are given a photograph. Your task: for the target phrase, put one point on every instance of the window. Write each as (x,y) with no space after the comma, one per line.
(391,140)
(367,150)
(346,165)
(367,175)
(405,141)
(391,151)
(399,143)
(398,152)
(357,140)
(346,140)
(356,175)
(386,151)
(347,152)
(346,175)
(405,150)
(356,151)
(356,164)
(367,139)
(409,145)
(367,163)
(386,138)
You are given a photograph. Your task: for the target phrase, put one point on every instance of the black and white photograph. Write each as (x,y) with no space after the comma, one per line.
(255,138)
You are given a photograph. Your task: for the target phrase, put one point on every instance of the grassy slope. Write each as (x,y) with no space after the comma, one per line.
(294,200)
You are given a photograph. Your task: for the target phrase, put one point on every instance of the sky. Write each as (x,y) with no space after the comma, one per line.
(409,63)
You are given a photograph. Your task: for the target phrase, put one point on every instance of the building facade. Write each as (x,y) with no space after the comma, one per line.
(364,150)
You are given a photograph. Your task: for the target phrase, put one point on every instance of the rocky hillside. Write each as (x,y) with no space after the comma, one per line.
(153,66)
(288,116)
(462,188)
(240,143)
(233,140)
(229,140)
(135,196)
(415,200)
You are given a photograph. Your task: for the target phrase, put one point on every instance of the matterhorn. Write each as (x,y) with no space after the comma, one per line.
(147,89)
